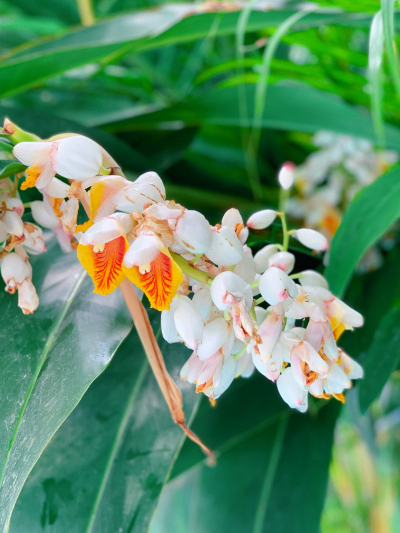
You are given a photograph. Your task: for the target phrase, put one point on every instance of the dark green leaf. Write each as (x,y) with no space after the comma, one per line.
(268,480)
(104,469)
(48,361)
(369,216)
(382,358)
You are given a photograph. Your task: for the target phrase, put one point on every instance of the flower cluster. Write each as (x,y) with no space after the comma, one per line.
(331,176)
(203,278)
(16,239)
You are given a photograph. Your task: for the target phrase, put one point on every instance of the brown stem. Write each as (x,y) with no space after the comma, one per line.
(170,391)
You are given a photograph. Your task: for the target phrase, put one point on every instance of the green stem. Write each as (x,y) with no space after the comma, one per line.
(253,313)
(191,271)
(260,300)
(86,12)
(254,285)
(285,244)
(195,259)
(296,276)
(27,204)
(239,354)
(15,134)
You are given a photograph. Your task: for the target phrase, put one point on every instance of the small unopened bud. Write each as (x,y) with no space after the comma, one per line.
(286,175)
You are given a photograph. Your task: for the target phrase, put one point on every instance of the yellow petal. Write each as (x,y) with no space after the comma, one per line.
(32,174)
(104,266)
(159,282)
(337,328)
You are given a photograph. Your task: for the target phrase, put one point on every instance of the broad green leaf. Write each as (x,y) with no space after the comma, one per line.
(383,357)
(138,31)
(48,361)
(288,107)
(104,469)
(46,125)
(268,480)
(8,167)
(369,216)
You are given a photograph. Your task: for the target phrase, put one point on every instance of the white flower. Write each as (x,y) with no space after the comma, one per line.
(194,232)
(291,392)
(17,274)
(286,175)
(261,219)
(234,220)
(275,286)
(227,289)
(214,337)
(189,322)
(225,249)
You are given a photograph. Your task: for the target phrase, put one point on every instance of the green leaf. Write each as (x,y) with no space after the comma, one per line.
(137,32)
(289,107)
(268,480)
(390,43)
(9,167)
(45,125)
(104,469)
(382,358)
(49,360)
(368,217)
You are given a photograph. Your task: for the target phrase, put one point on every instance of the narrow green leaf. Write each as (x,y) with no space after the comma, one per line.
(369,216)
(138,31)
(382,358)
(104,469)
(387,8)
(273,479)
(291,107)
(375,54)
(49,360)
(9,167)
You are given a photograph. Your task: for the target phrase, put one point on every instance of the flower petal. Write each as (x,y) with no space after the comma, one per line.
(104,266)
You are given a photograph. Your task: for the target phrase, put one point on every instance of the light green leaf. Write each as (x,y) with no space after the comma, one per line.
(104,469)
(48,361)
(383,357)
(289,107)
(369,216)
(390,43)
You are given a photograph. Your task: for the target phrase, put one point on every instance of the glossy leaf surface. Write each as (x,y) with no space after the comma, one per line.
(48,361)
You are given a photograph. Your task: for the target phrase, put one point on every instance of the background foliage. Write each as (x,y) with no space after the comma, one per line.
(214,97)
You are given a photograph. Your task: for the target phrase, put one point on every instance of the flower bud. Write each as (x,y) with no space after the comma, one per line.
(261,219)
(194,232)
(203,301)
(312,239)
(246,269)
(13,223)
(43,216)
(262,257)
(14,270)
(28,299)
(143,250)
(275,286)
(282,260)
(214,337)
(311,278)
(168,329)
(286,175)
(226,249)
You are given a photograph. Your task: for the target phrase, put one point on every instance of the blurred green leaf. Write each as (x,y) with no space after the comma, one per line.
(369,216)
(48,361)
(382,358)
(289,107)
(105,468)
(390,43)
